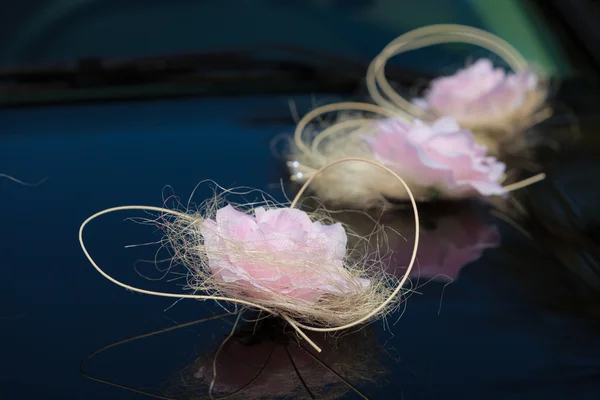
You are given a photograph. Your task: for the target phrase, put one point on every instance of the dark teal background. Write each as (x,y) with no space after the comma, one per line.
(62,30)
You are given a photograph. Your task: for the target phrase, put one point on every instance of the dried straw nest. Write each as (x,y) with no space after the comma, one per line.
(340,307)
(186,237)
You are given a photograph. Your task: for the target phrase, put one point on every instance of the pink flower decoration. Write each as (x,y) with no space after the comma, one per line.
(481,95)
(278,252)
(441,157)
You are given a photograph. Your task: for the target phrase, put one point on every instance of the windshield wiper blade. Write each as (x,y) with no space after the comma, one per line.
(249,71)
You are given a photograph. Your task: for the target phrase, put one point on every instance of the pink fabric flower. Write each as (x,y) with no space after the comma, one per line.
(441,157)
(278,251)
(481,95)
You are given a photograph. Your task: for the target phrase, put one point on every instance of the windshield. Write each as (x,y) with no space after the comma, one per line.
(51,34)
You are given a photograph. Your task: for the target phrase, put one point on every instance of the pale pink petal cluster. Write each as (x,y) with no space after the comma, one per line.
(482,95)
(278,252)
(440,156)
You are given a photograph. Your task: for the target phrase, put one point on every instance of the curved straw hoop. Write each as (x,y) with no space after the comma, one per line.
(294,324)
(346,106)
(428,36)
(412,258)
(335,128)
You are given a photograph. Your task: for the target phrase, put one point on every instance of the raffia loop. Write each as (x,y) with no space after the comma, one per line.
(346,302)
(429,36)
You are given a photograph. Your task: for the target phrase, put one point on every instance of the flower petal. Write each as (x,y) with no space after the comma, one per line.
(441,156)
(480,94)
(253,252)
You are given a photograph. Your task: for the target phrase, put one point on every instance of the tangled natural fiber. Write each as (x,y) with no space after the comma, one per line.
(296,276)
(337,308)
